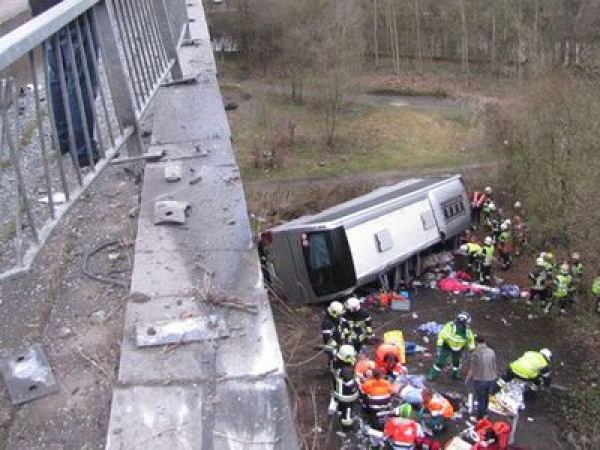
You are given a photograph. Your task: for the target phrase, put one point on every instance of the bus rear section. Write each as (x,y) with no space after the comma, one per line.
(308,265)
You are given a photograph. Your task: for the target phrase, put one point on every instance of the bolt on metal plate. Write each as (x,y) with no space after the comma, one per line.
(28,375)
(181,331)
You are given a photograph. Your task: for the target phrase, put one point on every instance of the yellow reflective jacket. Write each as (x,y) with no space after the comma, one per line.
(455,341)
(529,366)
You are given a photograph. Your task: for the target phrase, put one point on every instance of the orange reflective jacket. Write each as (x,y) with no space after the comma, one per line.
(440,406)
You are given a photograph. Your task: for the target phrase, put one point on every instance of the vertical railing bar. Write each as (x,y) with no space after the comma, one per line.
(66,105)
(156,28)
(144,42)
(79,95)
(38,114)
(117,77)
(54,132)
(167,37)
(86,55)
(88,33)
(131,63)
(153,38)
(15,161)
(138,54)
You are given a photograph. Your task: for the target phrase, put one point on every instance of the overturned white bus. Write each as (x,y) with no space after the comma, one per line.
(328,255)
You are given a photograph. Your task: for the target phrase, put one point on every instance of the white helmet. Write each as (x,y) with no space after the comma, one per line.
(508,222)
(504,226)
(518,204)
(347,353)
(464,248)
(540,261)
(492,206)
(575,256)
(353,304)
(488,190)
(464,316)
(488,241)
(335,309)
(546,353)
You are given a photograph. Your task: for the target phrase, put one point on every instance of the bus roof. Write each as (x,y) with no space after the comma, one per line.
(377,197)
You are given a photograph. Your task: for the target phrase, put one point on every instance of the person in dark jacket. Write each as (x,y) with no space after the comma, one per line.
(66,109)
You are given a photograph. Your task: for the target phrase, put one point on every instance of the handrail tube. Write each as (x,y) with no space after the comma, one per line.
(28,36)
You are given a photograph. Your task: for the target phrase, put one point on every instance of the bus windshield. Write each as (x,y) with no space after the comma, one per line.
(328,261)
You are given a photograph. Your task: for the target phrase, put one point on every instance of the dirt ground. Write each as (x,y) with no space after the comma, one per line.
(504,322)
(77,320)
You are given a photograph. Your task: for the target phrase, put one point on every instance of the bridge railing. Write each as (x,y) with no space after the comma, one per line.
(74,81)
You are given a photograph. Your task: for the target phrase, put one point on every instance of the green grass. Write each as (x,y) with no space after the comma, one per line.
(9,231)
(369,139)
(407,91)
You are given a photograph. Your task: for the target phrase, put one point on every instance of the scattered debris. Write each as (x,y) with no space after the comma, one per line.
(170,211)
(58,198)
(195,180)
(98,317)
(173,171)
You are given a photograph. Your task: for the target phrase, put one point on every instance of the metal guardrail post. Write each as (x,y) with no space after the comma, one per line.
(122,97)
(179,20)
(168,37)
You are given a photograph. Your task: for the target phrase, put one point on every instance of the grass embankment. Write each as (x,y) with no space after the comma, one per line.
(369,138)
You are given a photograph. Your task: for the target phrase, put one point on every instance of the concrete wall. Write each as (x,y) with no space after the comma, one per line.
(227,393)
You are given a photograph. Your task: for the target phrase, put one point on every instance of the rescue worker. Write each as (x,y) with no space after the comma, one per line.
(356,328)
(540,279)
(489,194)
(520,235)
(562,289)
(488,258)
(531,367)
(377,398)
(345,357)
(478,199)
(518,207)
(345,392)
(549,262)
(489,212)
(401,431)
(438,408)
(475,254)
(388,359)
(576,271)
(505,246)
(331,328)
(596,292)
(363,369)
(453,338)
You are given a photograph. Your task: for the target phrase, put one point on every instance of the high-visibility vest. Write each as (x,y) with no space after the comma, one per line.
(378,394)
(577,269)
(439,405)
(596,286)
(387,348)
(474,250)
(478,199)
(401,431)
(529,366)
(488,253)
(449,335)
(563,282)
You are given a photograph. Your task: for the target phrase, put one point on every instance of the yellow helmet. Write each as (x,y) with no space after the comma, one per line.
(549,257)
